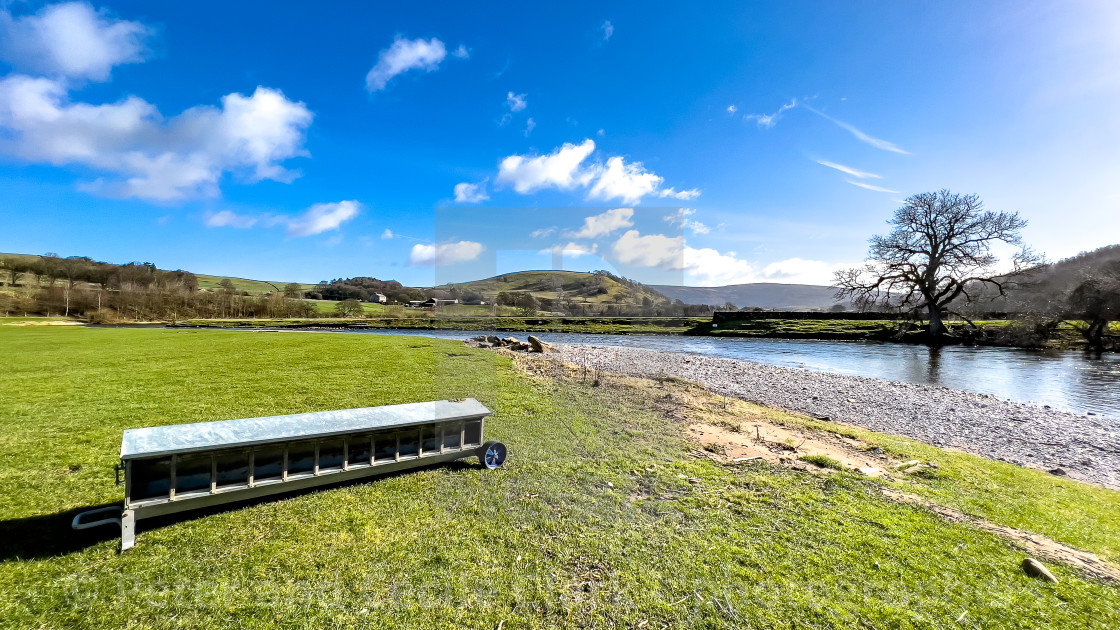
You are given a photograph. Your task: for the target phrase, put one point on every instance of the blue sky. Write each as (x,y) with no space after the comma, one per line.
(706,144)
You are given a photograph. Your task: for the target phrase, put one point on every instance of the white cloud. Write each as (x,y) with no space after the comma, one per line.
(516,102)
(387,234)
(71,39)
(564,169)
(603,224)
(653,250)
(684,195)
(608,30)
(461,52)
(444,254)
(681,219)
(471,193)
(543,232)
(626,182)
(707,267)
(559,169)
(731,109)
(571,250)
(529,126)
(849,170)
(870,187)
(226,218)
(861,136)
(145,154)
(322,217)
(769,120)
(601,133)
(402,56)
(800,271)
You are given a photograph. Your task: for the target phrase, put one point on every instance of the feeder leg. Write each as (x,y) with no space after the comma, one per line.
(128,530)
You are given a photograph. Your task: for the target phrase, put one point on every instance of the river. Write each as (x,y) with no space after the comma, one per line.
(1064,379)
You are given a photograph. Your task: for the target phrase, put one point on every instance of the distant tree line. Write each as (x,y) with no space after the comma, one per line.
(80,286)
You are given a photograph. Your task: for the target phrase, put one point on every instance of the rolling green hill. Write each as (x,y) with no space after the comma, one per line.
(585,288)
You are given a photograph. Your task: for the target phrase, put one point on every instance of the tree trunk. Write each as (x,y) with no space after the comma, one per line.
(936,328)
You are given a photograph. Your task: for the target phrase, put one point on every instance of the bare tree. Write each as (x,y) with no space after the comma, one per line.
(939,251)
(1096,301)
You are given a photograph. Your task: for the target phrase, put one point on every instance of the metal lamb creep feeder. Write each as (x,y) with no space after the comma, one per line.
(174,468)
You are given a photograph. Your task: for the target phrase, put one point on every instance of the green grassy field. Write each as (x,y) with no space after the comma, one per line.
(253,287)
(330,306)
(586,288)
(601,518)
(421,321)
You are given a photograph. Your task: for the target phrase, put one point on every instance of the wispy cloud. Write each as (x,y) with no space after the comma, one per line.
(681,219)
(543,232)
(516,102)
(423,255)
(467,192)
(529,126)
(878,143)
(603,224)
(405,55)
(731,109)
(870,187)
(849,170)
(766,121)
(608,30)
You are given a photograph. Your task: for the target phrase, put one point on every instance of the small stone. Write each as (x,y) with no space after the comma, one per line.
(870,471)
(610,485)
(908,464)
(913,469)
(1058,471)
(1035,569)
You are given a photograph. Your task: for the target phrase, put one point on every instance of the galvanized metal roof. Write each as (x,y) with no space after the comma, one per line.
(184,438)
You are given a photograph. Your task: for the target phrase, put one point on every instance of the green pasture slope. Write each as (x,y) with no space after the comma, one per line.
(601,517)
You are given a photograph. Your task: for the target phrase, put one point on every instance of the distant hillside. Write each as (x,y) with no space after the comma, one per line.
(599,288)
(761,294)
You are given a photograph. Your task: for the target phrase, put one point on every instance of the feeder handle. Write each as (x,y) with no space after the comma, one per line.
(118,468)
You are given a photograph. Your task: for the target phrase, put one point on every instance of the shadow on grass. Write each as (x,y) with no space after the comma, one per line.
(48,535)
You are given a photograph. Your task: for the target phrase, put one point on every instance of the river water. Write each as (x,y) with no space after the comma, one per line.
(1064,379)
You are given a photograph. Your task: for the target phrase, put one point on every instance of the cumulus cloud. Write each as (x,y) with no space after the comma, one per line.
(144,154)
(543,232)
(387,234)
(71,40)
(767,121)
(603,224)
(652,250)
(466,192)
(849,170)
(683,195)
(682,219)
(608,30)
(870,187)
(559,169)
(461,52)
(707,267)
(572,250)
(444,254)
(227,218)
(516,102)
(402,56)
(626,182)
(565,169)
(322,217)
(731,109)
(800,271)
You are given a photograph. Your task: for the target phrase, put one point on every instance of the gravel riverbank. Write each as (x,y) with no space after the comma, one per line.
(1083,446)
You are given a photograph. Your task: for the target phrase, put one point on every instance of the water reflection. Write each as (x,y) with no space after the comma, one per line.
(1069,380)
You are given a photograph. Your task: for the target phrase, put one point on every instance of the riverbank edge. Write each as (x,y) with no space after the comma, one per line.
(1080,447)
(891,331)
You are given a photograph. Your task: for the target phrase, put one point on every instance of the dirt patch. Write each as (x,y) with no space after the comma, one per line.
(731,431)
(1034,544)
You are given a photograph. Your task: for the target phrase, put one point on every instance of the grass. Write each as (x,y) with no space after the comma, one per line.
(601,517)
(420,321)
(824,461)
(331,306)
(253,287)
